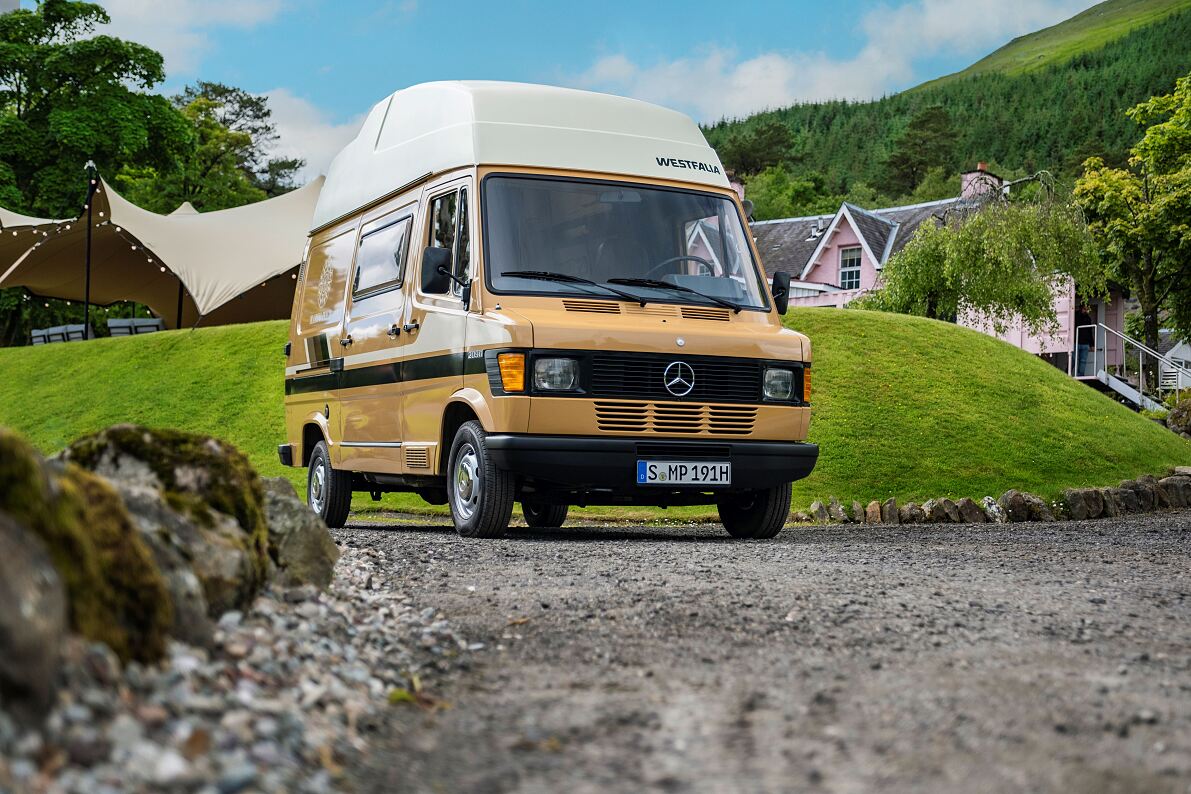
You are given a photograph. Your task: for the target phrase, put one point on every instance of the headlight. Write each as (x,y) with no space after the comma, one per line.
(779,384)
(555,374)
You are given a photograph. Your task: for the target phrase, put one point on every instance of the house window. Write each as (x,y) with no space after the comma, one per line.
(849,268)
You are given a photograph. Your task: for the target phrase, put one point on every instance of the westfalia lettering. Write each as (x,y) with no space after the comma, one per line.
(674,162)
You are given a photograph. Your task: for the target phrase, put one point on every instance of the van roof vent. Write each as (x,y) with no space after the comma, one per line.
(700,313)
(596,307)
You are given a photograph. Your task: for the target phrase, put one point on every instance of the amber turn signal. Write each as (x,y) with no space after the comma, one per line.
(806,384)
(512,371)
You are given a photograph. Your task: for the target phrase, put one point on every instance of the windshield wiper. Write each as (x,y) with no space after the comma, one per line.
(547,275)
(656,284)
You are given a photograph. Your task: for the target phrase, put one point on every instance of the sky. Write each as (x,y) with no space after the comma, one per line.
(324,63)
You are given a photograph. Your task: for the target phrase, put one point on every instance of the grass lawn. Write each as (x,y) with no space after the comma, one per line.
(904,407)
(1082,33)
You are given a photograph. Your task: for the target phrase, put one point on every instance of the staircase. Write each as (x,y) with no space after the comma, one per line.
(1120,364)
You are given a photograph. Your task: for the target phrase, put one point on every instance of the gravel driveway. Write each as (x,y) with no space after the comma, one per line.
(1028,657)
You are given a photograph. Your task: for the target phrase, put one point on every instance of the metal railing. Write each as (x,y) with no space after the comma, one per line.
(1095,360)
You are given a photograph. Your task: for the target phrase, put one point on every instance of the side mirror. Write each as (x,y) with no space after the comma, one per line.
(435,260)
(781,291)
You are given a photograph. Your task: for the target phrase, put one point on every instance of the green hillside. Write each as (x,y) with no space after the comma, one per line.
(1083,33)
(1022,120)
(904,407)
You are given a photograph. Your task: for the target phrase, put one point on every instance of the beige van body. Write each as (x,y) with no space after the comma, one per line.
(415,365)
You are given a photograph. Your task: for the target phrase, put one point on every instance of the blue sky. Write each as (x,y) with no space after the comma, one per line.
(323,63)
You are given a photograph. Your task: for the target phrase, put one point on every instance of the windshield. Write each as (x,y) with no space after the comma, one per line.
(558,233)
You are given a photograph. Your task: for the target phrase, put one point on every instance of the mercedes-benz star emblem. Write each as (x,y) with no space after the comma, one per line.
(679,378)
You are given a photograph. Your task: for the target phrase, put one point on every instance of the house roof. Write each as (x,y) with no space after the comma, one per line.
(789,244)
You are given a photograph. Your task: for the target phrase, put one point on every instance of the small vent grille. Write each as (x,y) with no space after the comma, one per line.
(595,307)
(674,418)
(699,313)
(417,457)
(651,309)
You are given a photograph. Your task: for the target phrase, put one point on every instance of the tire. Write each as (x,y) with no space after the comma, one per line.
(543,516)
(755,514)
(480,494)
(328,490)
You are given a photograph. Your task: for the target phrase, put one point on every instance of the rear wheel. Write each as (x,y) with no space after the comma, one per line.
(544,516)
(480,494)
(755,514)
(328,491)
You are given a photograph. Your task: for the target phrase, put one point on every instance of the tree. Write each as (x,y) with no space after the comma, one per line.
(768,144)
(227,163)
(928,142)
(1000,263)
(1140,215)
(67,97)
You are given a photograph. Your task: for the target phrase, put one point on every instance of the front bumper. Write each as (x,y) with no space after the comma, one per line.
(584,463)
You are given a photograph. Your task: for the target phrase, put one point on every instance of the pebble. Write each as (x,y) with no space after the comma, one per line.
(292,675)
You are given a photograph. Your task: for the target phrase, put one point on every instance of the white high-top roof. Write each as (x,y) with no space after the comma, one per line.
(434,127)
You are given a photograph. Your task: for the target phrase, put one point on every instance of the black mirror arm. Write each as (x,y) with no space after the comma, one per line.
(442,271)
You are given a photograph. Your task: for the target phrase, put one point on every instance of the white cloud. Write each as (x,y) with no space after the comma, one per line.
(713,82)
(306,131)
(181,29)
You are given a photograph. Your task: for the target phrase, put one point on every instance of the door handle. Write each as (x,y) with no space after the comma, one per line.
(394,330)
(347,341)
(409,328)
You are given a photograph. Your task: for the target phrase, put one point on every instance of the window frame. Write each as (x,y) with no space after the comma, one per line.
(380,225)
(459,190)
(857,269)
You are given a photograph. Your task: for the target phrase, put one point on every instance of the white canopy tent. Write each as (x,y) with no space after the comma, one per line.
(227,266)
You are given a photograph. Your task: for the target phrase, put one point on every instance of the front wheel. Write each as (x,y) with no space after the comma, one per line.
(755,514)
(543,516)
(480,494)
(328,491)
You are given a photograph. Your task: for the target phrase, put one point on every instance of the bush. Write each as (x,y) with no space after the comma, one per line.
(1179,417)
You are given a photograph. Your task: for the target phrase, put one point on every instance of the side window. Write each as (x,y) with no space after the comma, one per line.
(449,229)
(380,261)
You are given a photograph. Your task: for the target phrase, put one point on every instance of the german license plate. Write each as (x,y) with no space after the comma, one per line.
(683,472)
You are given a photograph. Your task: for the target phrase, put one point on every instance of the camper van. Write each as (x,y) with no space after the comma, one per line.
(519,293)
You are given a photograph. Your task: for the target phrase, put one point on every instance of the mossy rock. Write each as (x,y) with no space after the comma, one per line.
(117,595)
(196,474)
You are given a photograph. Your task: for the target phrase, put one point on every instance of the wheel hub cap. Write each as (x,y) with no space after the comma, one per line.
(467,483)
(318,481)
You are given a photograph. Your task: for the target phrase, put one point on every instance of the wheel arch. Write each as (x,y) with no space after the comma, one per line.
(464,406)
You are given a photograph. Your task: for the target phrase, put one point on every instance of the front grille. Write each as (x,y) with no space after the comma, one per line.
(674,418)
(641,376)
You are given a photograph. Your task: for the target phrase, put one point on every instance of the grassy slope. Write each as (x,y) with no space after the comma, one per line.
(1082,33)
(903,407)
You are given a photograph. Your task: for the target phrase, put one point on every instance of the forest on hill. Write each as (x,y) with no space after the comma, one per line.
(911,146)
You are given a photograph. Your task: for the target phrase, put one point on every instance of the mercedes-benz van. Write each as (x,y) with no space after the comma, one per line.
(523,293)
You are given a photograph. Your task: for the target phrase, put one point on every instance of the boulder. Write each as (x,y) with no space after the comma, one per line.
(115,593)
(1113,505)
(1129,501)
(872,513)
(933,512)
(801,518)
(994,511)
(951,510)
(1094,501)
(1013,504)
(970,512)
(1077,505)
(300,544)
(32,623)
(889,514)
(1176,490)
(208,481)
(836,511)
(1144,492)
(911,513)
(858,515)
(819,512)
(1036,508)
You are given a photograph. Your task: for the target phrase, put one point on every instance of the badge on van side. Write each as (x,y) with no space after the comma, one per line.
(674,162)
(324,284)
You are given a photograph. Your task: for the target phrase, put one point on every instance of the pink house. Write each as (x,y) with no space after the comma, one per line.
(834,259)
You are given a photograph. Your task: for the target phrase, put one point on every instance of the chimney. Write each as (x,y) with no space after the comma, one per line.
(979,184)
